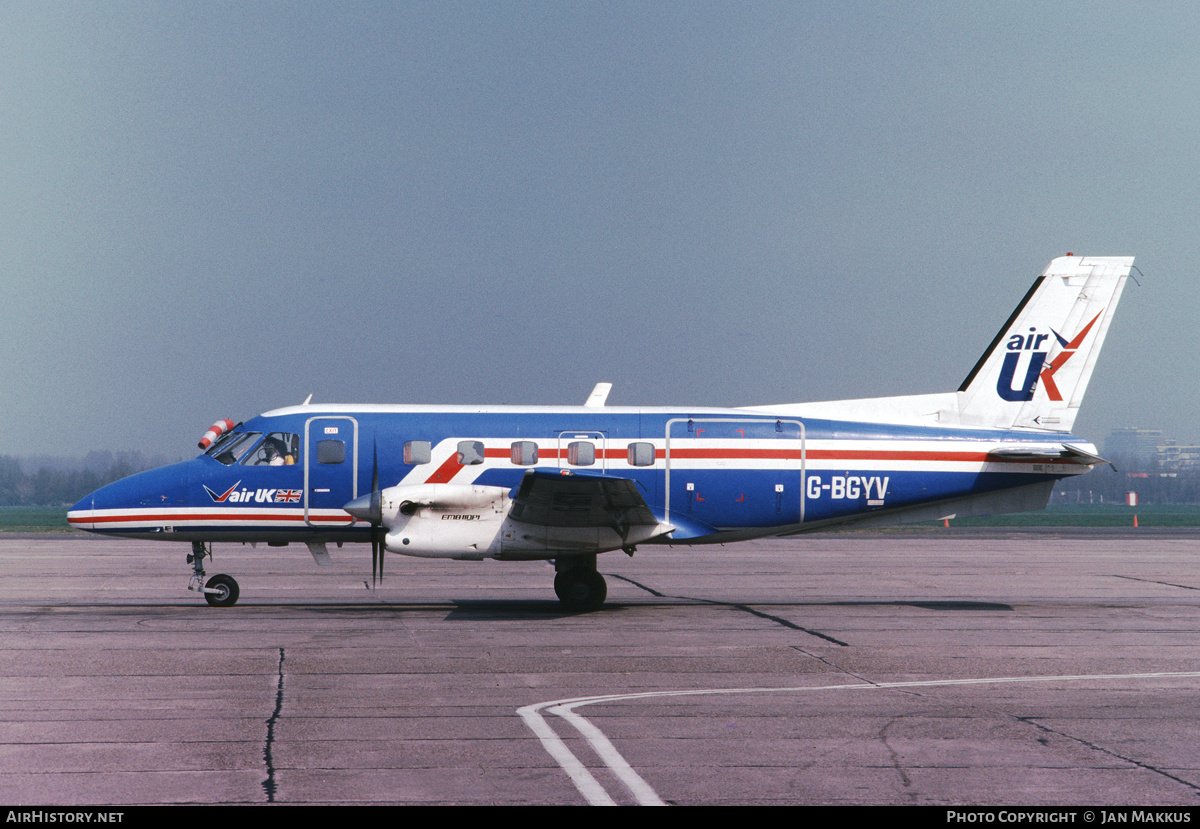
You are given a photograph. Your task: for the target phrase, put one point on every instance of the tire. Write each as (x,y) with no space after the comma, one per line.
(580,589)
(228,587)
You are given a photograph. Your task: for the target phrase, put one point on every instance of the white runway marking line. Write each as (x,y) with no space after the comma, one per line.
(597,795)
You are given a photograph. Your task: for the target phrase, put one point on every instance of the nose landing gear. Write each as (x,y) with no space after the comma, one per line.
(220,590)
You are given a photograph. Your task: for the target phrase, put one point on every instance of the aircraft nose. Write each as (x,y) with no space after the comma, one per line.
(366,507)
(81,515)
(95,511)
(133,503)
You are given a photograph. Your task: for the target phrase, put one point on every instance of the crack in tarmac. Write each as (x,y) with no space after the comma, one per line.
(269,785)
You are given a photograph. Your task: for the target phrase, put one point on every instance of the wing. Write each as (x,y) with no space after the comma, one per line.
(586,502)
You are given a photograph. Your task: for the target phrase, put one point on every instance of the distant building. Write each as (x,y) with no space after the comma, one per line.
(1175,458)
(1130,444)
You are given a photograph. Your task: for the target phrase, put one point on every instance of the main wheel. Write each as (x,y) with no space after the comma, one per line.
(227,588)
(580,589)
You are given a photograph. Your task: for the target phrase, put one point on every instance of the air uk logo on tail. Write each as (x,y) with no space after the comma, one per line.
(1018,344)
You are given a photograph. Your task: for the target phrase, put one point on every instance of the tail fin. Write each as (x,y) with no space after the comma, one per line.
(1035,372)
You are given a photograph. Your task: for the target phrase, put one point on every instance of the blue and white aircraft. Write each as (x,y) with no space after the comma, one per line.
(567,483)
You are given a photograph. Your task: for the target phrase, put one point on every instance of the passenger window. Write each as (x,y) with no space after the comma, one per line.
(524,453)
(331,451)
(641,454)
(277,449)
(470,452)
(417,451)
(581,453)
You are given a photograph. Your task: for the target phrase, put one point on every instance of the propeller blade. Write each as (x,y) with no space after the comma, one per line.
(377,532)
(369,507)
(377,512)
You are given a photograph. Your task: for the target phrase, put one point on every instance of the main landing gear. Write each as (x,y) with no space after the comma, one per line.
(220,590)
(577,583)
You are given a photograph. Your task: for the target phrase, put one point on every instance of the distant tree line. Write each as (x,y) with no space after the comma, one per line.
(57,482)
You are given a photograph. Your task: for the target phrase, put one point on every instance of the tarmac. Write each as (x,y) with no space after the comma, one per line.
(938,667)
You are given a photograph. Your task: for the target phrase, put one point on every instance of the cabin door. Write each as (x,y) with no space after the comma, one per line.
(735,472)
(330,469)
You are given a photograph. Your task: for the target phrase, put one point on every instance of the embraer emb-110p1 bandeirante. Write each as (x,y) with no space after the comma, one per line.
(567,483)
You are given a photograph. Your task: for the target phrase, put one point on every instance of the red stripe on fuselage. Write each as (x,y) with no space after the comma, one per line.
(451,466)
(446,471)
(209,516)
(854,455)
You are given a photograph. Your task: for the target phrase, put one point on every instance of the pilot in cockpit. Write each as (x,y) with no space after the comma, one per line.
(277,449)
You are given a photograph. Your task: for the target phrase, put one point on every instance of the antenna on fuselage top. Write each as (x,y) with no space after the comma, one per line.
(599,396)
(305,403)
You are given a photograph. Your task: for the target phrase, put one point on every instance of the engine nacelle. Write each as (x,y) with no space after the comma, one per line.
(444,520)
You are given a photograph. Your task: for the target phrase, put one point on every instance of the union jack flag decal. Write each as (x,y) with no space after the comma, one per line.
(288,496)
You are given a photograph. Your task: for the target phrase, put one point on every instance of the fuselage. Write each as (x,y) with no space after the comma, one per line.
(713,475)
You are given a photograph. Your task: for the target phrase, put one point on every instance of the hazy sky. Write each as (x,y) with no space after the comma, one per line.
(210,210)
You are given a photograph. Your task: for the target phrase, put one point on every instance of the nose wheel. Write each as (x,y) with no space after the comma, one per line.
(220,590)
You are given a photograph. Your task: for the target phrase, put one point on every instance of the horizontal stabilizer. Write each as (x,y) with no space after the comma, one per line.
(1046,452)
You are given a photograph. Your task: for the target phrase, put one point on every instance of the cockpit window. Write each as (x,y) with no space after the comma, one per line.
(277,449)
(221,442)
(228,451)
